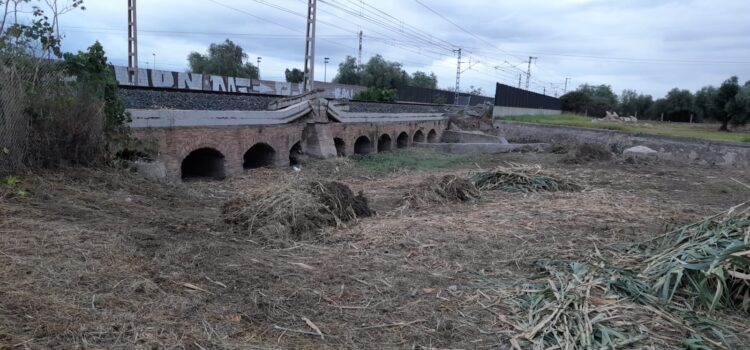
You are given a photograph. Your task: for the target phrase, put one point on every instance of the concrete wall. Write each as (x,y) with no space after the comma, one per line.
(501,111)
(686,150)
(200,82)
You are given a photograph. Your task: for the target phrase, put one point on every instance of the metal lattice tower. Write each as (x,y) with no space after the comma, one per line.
(458,78)
(132,44)
(309,81)
(528,71)
(359,59)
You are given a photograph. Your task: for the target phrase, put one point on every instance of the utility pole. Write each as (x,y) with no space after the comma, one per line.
(566,85)
(519,80)
(458,77)
(132,44)
(309,81)
(528,71)
(259,58)
(544,91)
(359,59)
(325,69)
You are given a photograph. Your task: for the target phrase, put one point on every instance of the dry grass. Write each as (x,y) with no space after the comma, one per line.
(521,178)
(448,189)
(106,260)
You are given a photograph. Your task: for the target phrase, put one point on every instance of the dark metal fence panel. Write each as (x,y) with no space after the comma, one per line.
(425,95)
(508,96)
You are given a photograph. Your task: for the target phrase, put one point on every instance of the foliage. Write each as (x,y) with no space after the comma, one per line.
(635,104)
(223,59)
(678,105)
(348,72)
(294,75)
(733,103)
(10,186)
(95,79)
(39,36)
(522,179)
(381,73)
(377,94)
(575,101)
(704,103)
(424,80)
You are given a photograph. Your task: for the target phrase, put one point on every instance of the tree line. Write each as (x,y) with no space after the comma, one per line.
(728,104)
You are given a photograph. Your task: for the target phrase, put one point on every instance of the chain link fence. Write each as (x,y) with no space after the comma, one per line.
(46,118)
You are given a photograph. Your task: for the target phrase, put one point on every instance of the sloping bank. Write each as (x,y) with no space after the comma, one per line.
(680,149)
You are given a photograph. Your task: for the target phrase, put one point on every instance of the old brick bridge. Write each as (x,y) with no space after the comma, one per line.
(214,135)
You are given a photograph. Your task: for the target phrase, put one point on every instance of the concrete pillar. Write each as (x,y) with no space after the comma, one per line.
(318,141)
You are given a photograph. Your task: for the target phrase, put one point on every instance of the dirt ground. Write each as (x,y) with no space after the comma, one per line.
(94,259)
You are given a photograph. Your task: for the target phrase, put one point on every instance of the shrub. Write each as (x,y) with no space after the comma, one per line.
(377,94)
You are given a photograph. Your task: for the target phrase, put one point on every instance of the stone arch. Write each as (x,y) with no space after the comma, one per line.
(295,154)
(418,136)
(385,143)
(362,145)
(340,146)
(258,156)
(432,136)
(402,141)
(203,163)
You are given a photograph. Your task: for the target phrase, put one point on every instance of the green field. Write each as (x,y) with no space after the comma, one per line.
(699,131)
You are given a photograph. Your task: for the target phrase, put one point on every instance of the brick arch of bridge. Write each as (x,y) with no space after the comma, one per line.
(174,144)
(350,132)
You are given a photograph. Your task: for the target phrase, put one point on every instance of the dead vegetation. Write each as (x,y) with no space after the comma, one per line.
(521,178)
(97,259)
(448,189)
(588,152)
(295,209)
(681,279)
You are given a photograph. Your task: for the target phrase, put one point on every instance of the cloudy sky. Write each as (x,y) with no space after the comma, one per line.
(647,45)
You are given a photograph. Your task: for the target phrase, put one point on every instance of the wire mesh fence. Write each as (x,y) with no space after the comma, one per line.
(46,119)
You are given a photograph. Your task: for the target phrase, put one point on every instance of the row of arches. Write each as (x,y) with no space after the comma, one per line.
(363,145)
(208,163)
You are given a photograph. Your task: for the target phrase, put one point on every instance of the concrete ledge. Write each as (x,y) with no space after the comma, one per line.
(165,118)
(339,115)
(456,136)
(481,148)
(502,111)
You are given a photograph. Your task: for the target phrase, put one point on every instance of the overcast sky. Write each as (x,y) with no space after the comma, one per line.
(647,45)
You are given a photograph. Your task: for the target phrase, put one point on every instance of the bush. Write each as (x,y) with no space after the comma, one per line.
(58,113)
(377,94)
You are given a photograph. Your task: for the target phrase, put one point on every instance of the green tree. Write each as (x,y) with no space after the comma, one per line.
(223,59)
(383,74)
(294,75)
(726,94)
(704,103)
(424,80)
(738,108)
(349,72)
(575,101)
(95,79)
(633,103)
(678,105)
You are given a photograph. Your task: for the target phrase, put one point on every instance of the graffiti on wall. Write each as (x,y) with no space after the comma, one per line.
(205,82)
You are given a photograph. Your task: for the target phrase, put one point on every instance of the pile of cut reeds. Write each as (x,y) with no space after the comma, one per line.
(448,189)
(700,268)
(295,209)
(516,178)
